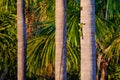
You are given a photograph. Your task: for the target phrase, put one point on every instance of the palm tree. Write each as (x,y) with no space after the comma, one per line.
(88,49)
(41,48)
(60,40)
(21,34)
(107,37)
(107,46)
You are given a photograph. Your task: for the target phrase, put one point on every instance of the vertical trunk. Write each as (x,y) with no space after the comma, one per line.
(60,39)
(99,58)
(102,74)
(103,66)
(21,34)
(88,49)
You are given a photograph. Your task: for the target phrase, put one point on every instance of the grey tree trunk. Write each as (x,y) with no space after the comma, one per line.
(88,49)
(60,40)
(21,34)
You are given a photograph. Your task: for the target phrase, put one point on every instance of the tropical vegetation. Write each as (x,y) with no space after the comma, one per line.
(40,21)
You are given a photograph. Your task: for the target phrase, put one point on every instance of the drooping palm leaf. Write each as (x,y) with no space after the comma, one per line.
(8,46)
(107,37)
(41,50)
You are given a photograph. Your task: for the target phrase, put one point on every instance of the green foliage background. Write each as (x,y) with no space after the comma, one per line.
(41,44)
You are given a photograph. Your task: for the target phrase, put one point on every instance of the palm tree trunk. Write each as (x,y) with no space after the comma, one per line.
(21,34)
(88,49)
(104,66)
(99,59)
(60,39)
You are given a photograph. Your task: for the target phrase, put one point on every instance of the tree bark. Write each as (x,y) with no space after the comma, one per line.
(103,66)
(60,40)
(21,34)
(88,49)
